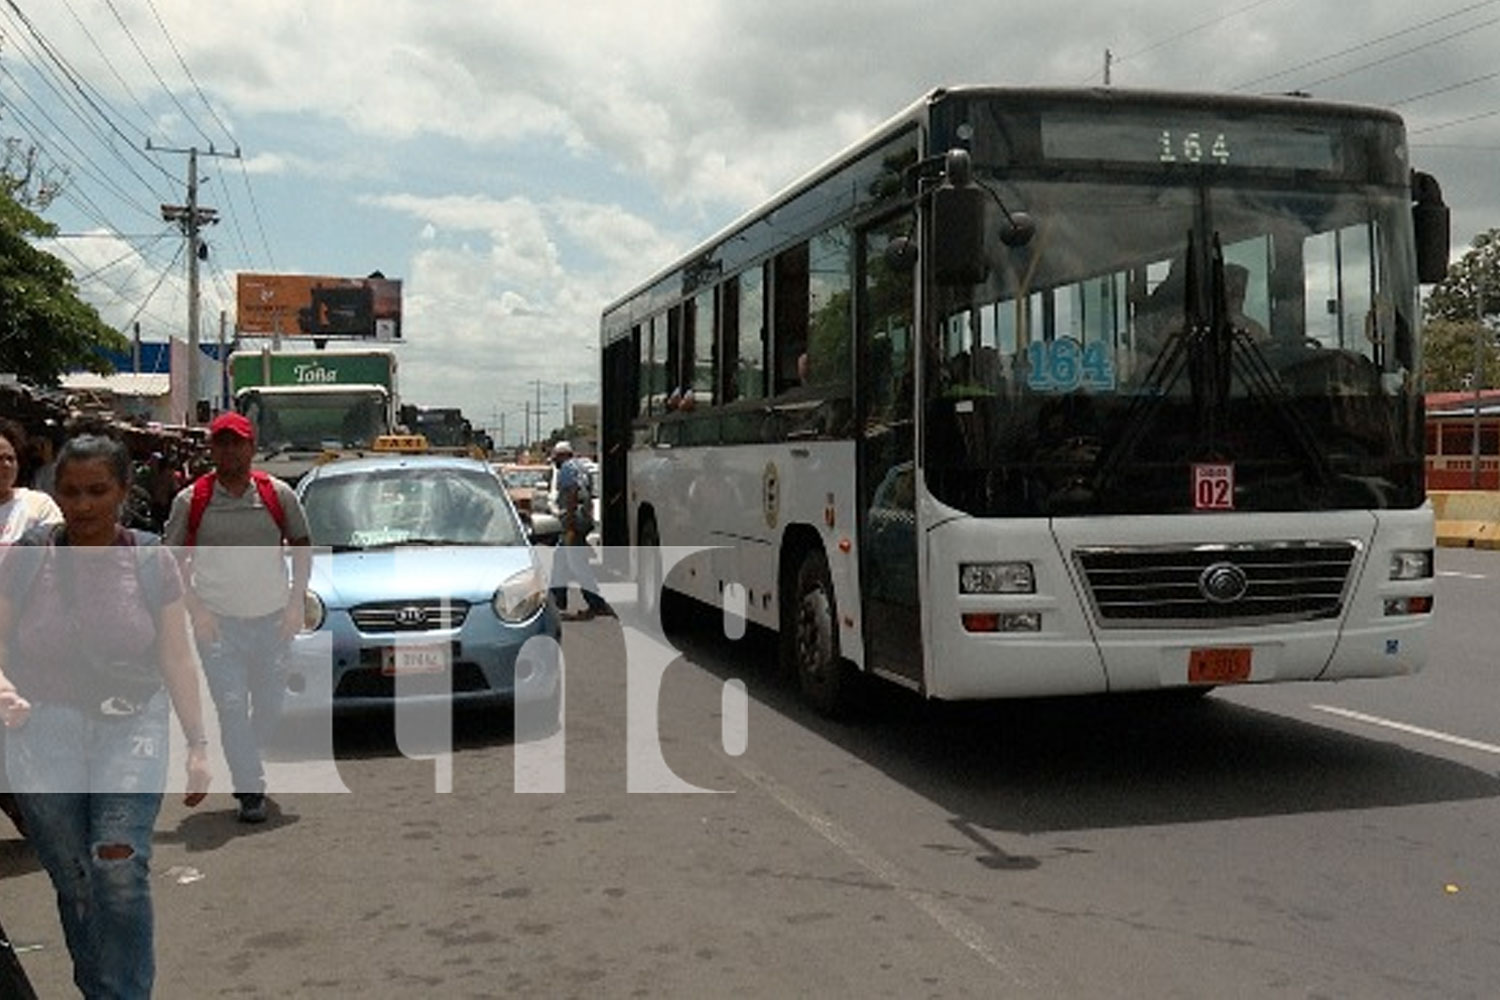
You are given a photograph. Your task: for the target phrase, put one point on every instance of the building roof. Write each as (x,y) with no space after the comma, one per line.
(123,384)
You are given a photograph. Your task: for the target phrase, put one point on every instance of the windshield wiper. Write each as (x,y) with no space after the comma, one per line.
(1163,374)
(1212,353)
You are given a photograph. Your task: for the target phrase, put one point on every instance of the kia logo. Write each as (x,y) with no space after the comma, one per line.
(411,615)
(1223,583)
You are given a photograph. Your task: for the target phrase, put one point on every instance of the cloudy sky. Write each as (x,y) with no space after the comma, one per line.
(518,165)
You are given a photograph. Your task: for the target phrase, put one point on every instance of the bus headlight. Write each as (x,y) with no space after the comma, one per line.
(1411,564)
(996,578)
(520,597)
(313,611)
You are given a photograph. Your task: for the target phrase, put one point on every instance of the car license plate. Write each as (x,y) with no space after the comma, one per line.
(1219,666)
(430,658)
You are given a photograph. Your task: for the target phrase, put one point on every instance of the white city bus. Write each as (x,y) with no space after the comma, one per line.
(1039,392)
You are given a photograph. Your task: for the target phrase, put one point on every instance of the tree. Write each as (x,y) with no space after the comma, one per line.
(45,328)
(1475,274)
(1448,356)
(1459,309)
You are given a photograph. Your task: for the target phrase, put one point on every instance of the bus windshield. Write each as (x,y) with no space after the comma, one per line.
(1151,326)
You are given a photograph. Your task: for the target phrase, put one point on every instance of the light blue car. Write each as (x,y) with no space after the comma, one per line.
(424,586)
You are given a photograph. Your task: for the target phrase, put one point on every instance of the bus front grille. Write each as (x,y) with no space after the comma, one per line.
(1216,585)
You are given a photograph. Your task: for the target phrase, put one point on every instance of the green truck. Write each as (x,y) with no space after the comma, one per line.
(305,404)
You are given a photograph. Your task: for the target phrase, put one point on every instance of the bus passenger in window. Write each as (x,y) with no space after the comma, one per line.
(1236,283)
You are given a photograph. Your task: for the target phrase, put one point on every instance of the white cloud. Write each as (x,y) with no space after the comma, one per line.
(520,164)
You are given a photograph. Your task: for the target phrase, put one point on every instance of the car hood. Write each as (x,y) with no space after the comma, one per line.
(470,573)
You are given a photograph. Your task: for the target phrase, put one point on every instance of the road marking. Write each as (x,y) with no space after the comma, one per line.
(1464,576)
(1431,734)
(967,932)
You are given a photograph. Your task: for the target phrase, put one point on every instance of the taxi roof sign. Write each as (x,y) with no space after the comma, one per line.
(404,443)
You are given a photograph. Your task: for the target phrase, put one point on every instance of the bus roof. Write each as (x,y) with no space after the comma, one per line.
(1104,99)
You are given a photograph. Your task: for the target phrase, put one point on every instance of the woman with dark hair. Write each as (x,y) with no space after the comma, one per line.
(20,508)
(98,645)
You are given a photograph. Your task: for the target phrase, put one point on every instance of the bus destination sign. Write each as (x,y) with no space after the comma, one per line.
(1185,140)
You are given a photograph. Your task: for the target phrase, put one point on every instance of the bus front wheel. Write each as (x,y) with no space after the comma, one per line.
(827,682)
(651,593)
(648,578)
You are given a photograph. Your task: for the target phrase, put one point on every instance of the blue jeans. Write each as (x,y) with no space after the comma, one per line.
(90,788)
(246,671)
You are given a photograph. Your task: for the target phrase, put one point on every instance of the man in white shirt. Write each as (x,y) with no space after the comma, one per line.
(228,530)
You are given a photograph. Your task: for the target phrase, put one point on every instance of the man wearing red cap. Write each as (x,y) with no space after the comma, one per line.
(229,529)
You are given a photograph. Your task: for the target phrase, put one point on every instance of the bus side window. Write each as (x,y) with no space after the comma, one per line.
(829,323)
(789,294)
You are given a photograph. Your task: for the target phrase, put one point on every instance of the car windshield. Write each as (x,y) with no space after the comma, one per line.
(526,477)
(309,421)
(410,505)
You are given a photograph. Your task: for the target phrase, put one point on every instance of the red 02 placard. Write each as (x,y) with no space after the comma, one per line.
(1213,487)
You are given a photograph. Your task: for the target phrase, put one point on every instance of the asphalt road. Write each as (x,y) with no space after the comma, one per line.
(1292,841)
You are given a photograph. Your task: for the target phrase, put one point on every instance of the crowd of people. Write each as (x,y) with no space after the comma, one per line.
(86,699)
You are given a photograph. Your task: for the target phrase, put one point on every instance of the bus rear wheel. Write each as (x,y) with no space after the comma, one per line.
(811,642)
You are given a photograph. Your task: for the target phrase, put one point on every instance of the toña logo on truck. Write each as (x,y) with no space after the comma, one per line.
(314,374)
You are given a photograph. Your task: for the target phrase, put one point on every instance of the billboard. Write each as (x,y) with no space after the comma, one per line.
(308,305)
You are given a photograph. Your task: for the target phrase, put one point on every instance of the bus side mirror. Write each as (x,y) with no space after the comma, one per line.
(1431,227)
(958,225)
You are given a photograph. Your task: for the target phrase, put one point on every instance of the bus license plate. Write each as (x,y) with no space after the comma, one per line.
(416,659)
(1219,666)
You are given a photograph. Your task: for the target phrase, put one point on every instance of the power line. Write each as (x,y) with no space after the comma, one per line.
(191,79)
(1402,54)
(1370,43)
(154,288)
(152,67)
(1456,121)
(259,223)
(98,118)
(97,104)
(1202,26)
(84,162)
(1444,90)
(99,51)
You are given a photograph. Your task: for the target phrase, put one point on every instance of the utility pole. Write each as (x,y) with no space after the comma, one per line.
(191,218)
(1480,335)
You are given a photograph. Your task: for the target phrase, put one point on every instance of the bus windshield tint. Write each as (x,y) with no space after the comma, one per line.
(1148,330)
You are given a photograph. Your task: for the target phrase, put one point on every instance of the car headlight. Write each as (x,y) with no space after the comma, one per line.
(520,597)
(996,578)
(313,611)
(1411,564)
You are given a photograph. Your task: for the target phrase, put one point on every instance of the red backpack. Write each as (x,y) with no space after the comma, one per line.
(203,491)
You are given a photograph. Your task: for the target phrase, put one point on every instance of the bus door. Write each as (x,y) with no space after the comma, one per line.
(887,450)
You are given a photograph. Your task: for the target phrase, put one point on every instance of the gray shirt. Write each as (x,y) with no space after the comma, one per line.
(239,569)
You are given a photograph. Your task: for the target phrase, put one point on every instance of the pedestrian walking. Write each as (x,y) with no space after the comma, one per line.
(21,509)
(575,509)
(231,530)
(94,644)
